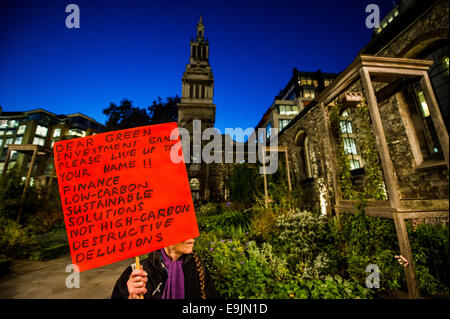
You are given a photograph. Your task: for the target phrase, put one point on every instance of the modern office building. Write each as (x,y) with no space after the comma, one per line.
(300,90)
(27,133)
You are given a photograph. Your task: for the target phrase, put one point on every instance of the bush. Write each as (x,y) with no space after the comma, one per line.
(244,183)
(369,240)
(429,245)
(247,271)
(304,238)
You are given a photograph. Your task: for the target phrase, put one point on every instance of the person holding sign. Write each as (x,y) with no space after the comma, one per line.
(174,272)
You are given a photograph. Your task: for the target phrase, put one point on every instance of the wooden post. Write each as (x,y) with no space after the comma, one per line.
(287,170)
(386,162)
(5,165)
(265,185)
(25,188)
(405,251)
(436,116)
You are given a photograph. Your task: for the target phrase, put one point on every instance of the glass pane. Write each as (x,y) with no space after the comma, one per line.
(57,132)
(346,127)
(445,64)
(354,164)
(268,129)
(41,130)
(349,145)
(21,129)
(423,104)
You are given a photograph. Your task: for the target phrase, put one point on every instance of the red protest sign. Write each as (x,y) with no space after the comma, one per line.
(121,194)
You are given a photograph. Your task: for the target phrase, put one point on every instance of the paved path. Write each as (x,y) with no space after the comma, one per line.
(47,279)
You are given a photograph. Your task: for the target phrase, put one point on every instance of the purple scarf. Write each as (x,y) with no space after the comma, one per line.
(174,288)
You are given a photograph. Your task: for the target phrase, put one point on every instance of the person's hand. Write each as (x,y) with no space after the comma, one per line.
(136,283)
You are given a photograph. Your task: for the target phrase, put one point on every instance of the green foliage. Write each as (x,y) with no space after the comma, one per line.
(251,271)
(374,182)
(292,258)
(244,183)
(373,178)
(430,248)
(303,237)
(369,240)
(41,225)
(262,225)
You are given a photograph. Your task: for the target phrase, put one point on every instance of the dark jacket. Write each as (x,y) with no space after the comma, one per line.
(157,277)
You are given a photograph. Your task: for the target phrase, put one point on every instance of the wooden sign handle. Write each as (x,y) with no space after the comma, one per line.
(138,266)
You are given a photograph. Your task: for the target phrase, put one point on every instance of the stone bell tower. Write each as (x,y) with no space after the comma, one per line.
(197,104)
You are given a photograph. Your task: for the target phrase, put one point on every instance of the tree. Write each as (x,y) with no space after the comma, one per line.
(164,112)
(125,116)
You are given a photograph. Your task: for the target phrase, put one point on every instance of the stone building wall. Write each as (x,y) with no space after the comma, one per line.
(414,183)
(320,185)
(433,25)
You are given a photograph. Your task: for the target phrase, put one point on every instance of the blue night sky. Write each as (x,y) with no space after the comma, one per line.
(138,50)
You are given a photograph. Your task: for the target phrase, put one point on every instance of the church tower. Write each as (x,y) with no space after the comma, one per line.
(197,104)
(198,84)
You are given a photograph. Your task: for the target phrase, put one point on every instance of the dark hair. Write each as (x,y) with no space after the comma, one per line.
(201,273)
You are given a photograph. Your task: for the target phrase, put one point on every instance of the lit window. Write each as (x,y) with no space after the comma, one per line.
(268,130)
(9,133)
(9,141)
(349,145)
(445,66)
(77,132)
(13,123)
(283,124)
(2,132)
(57,132)
(3,123)
(39,141)
(354,164)
(21,129)
(41,131)
(18,140)
(346,127)
(194,184)
(423,104)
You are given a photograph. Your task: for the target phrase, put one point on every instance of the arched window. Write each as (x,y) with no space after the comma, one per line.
(301,140)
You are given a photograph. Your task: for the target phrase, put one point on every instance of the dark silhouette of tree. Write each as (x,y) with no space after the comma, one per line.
(125,116)
(164,112)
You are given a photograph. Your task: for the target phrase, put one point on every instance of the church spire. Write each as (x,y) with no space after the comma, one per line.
(200,30)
